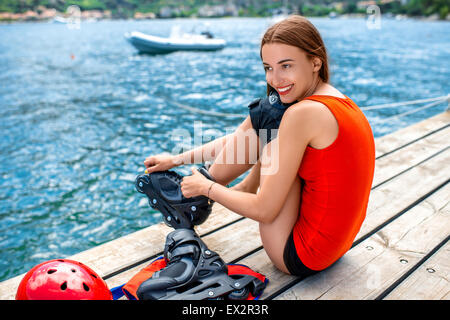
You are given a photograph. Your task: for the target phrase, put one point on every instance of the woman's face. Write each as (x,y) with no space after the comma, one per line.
(289,71)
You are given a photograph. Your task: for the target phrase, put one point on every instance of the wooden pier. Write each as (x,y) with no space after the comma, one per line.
(401,252)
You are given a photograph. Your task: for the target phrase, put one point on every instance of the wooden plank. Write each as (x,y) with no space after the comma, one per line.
(399,193)
(373,265)
(405,135)
(213,222)
(260,262)
(230,243)
(106,259)
(381,208)
(384,168)
(120,253)
(405,158)
(144,243)
(431,281)
(423,149)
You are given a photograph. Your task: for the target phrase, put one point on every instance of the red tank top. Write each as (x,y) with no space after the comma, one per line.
(336,184)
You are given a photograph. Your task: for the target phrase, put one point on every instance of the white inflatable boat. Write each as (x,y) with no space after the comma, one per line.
(153,44)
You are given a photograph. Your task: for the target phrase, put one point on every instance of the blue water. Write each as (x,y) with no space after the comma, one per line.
(80,110)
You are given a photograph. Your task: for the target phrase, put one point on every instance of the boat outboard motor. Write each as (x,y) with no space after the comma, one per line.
(207,34)
(164,194)
(192,271)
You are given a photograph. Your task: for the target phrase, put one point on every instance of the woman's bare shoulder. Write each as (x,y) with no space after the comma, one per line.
(306,108)
(311,114)
(303,117)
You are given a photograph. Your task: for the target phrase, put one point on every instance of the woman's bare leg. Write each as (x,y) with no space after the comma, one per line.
(275,234)
(239,154)
(250,183)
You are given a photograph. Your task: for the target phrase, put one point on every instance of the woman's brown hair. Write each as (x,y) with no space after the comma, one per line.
(299,32)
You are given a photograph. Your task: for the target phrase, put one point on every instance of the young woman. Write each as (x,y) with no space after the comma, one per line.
(311,206)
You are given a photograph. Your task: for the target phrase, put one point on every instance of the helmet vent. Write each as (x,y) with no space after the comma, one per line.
(94,276)
(73,270)
(85,286)
(51,271)
(64,285)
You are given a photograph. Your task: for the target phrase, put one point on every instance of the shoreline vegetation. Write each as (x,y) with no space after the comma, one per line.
(60,11)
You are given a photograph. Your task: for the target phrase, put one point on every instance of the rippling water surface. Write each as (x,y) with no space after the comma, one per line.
(80,110)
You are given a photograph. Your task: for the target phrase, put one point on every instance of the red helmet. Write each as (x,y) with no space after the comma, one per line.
(62,279)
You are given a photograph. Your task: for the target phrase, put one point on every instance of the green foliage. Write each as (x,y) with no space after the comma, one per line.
(186,8)
(87,4)
(315,10)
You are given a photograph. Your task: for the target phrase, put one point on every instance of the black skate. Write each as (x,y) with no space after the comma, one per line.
(194,272)
(164,194)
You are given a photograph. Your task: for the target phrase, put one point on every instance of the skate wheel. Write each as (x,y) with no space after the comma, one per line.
(152,204)
(167,221)
(139,184)
(241,294)
(257,287)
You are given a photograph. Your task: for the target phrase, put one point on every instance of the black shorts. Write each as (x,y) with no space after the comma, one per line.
(293,262)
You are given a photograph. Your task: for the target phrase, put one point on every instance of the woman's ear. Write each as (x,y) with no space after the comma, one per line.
(317,64)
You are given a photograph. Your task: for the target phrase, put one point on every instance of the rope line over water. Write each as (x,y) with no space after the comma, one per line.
(208,112)
(434,101)
(432,104)
(405,103)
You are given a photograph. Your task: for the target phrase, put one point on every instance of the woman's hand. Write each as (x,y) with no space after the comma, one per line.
(161,162)
(195,184)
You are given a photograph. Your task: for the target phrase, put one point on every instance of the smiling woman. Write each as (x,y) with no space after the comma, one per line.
(323,151)
(283,75)
(308,41)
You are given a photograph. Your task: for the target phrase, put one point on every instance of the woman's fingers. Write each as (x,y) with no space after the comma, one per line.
(150,161)
(151,165)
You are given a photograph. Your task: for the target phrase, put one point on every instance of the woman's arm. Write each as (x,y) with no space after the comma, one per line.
(206,152)
(210,150)
(161,162)
(298,127)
